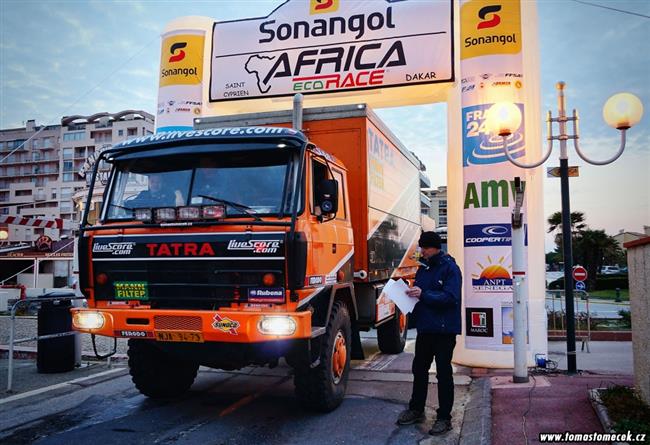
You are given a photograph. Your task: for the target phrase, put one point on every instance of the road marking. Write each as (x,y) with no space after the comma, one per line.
(57,386)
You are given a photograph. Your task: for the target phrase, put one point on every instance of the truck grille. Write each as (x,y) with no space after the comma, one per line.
(177,323)
(189,271)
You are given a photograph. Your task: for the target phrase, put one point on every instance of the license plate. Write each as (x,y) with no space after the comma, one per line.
(189,337)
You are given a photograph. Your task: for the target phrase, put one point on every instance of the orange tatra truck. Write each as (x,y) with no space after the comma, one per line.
(244,241)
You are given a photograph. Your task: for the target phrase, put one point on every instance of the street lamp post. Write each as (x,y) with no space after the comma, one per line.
(621,111)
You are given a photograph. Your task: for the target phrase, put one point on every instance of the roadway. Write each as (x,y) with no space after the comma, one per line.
(251,406)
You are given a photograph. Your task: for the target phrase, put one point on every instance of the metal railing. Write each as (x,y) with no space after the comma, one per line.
(49,297)
(578,295)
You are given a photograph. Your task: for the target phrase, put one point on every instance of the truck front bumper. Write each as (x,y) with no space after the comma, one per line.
(228,326)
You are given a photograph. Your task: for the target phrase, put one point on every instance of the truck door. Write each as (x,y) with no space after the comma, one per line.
(332,240)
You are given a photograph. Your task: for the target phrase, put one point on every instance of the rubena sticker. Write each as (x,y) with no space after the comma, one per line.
(315,280)
(133,334)
(265,295)
(225,324)
(131,290)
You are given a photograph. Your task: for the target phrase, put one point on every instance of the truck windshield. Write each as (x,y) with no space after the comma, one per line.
(250,183)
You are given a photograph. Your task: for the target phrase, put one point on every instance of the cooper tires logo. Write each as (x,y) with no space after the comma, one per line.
(492,22)
(495,230)
(181,54)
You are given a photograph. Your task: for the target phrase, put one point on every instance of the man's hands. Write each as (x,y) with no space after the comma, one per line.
(414,292)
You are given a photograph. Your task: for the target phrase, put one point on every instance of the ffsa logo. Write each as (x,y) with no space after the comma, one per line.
(323,6)
(177,57)
(488,17)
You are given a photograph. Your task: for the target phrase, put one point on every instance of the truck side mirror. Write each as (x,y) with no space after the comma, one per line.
(327,196)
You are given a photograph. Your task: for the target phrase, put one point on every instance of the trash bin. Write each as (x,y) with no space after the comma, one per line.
(55,354)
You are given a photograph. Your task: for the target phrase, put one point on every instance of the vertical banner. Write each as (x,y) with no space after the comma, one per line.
(491,68)
(181,80)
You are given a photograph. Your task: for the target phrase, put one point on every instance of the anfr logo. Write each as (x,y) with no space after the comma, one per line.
(483,13)
(172,50)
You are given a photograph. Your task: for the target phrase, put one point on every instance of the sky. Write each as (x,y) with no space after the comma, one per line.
(81,57)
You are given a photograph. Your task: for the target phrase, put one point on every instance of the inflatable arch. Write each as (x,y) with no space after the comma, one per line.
(469,54)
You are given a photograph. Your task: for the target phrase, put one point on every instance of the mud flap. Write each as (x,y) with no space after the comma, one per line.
(357,349)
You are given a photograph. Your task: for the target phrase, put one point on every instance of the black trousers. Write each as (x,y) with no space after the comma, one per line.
(428,346)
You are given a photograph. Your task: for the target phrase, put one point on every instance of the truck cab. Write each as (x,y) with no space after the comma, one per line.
(226,247)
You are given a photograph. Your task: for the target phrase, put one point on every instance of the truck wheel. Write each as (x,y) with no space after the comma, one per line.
(323,388)
(391,336)
(156,374)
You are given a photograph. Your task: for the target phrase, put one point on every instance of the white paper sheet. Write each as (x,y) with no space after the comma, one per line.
(396,291)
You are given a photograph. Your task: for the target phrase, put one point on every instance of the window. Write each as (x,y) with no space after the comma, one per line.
(47,143)
(68,177)
(319,173)
(23,193)
(36,156)
(53,194)
(66,192)
(131,131)
(120,132)
(15,144)
(36,143)
(340,214)
(68,166)
(203,180)
(74,136)
(68,153)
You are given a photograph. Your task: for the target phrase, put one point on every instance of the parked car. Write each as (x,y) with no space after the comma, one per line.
(610,270)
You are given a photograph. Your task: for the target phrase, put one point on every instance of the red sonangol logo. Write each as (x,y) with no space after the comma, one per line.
(323,4)
(181,55)
(489,10)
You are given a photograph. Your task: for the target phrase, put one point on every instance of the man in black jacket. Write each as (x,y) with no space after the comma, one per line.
(438,284)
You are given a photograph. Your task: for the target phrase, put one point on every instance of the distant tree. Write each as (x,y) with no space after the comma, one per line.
(594,248)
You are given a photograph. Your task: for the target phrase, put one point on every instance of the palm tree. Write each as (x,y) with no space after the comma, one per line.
(577,222)
(555,225)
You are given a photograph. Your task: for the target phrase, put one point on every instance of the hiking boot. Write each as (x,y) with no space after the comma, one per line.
(409,417)
(440,427)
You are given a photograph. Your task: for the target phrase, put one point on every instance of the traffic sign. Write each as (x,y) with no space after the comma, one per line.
(580,285)
(579,273)
(554,172)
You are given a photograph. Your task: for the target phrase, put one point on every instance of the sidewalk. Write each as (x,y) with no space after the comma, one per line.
(548,405)
(557,402)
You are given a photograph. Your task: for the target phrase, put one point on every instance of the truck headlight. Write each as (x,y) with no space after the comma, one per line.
(277,325)
(88,320)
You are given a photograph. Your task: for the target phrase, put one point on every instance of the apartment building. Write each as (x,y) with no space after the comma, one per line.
(42,177)
(438,208)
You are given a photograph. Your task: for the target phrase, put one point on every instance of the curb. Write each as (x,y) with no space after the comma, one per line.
(27,353)
(477,421)
(602,413)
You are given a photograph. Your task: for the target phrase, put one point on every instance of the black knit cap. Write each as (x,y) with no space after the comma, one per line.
(430,239)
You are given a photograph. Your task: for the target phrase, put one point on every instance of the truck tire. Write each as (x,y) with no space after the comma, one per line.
(391,336)
(156,374)
(323,388)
